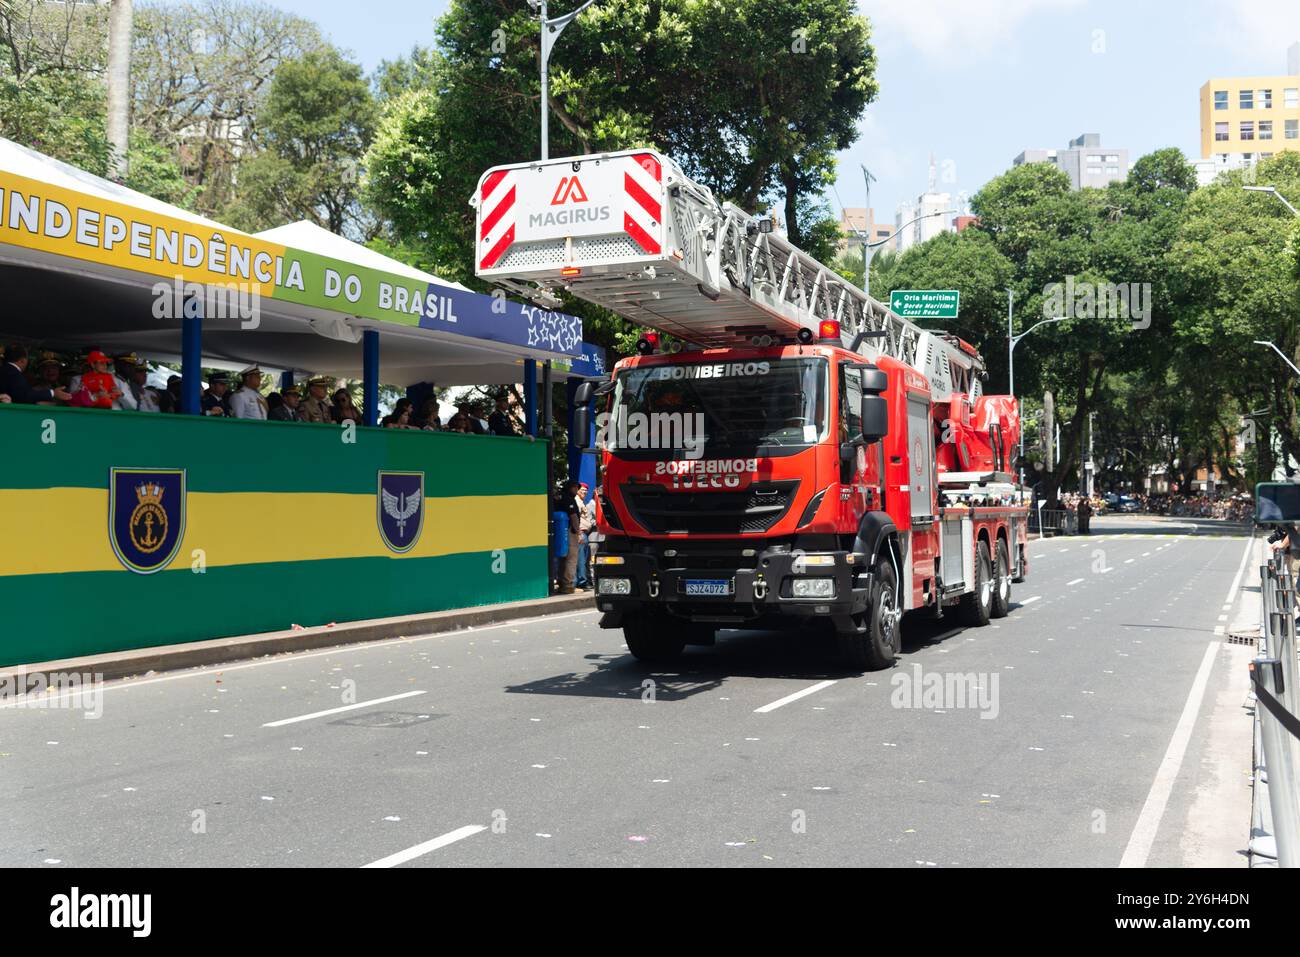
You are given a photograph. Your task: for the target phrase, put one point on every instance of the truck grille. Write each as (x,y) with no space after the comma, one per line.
(745,511)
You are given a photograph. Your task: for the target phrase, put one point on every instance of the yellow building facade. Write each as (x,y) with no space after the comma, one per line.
(1249,117)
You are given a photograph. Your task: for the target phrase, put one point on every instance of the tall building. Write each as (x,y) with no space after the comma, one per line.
(854,221)
(927,217)
(1249,118)
(1085,161)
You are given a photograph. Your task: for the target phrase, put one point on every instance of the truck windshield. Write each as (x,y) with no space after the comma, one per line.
(766,407)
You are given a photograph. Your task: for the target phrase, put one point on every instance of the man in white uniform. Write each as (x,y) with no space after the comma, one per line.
(248,402)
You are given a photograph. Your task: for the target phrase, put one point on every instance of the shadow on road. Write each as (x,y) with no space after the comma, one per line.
(808,654)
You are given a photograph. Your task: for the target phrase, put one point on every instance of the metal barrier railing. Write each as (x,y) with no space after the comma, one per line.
(1053,521)
(1273,678)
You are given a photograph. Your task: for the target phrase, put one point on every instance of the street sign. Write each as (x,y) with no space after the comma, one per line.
(925,303)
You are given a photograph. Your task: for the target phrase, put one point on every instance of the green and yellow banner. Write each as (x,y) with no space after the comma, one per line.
(126,530)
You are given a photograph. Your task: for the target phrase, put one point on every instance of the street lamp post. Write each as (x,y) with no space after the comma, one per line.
(1273,191)
(869,248)
(1265,342)
(551,30)
(1013,340)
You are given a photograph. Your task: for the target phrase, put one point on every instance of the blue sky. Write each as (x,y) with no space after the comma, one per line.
(977,81)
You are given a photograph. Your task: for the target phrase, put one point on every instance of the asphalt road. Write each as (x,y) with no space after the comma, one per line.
(543,743)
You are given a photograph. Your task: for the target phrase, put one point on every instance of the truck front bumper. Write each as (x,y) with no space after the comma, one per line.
(760,584)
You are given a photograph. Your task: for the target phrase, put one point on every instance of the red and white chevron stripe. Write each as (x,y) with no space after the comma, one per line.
(497,223)
(643,214)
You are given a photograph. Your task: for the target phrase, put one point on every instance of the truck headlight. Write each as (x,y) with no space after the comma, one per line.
(614,586)
(813,588)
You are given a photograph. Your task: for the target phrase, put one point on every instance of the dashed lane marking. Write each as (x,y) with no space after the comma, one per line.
(819,686)
(419,850)
(347,707)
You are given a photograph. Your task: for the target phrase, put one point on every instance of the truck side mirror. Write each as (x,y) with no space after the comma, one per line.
(582,426)
(583,393)
(875,418)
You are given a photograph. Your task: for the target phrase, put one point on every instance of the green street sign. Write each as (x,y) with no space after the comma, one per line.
(925,303)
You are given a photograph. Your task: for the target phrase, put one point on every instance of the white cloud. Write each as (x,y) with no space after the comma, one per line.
(1261,28)
(957,31)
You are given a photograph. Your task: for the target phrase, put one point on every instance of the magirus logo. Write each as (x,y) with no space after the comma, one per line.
(569,190)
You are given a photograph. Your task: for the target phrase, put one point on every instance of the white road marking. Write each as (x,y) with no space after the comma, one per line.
(119,683)
(1148,822)
(1236,581)
(794,697)
(1128,561)
(1030,601)
(1075,582)
(347,707)
(411,853)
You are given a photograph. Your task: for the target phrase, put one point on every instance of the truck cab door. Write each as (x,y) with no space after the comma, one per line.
(854,472)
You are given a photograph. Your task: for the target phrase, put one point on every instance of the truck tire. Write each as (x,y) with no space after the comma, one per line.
(651,639)
(874,643)
(1001,582)
(976,606)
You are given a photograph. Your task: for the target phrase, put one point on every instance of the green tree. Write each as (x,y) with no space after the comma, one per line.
(51,90)
(311,135)
(200,75)
(1054,236)
(753,97)
(970,263)
(52,95)
(1234,266)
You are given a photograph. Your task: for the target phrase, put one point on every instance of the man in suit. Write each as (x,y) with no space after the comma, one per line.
(499,420)
(13,380)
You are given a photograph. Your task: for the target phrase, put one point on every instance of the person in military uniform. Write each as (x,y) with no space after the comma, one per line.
(49,375)
(288,410)
(317,406)
(216,398)
(248,402)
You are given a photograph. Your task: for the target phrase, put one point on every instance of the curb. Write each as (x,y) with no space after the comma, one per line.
(194,654)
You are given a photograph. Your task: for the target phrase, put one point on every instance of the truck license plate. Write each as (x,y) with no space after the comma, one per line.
(719,587)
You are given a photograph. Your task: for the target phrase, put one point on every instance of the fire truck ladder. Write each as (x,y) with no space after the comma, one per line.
(684,263)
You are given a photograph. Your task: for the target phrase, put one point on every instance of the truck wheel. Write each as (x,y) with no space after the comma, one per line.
(650,639)
(976,606)
(1001,583)
(873,644)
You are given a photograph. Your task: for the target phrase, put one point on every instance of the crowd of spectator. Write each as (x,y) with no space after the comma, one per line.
(99,381)
(1238,507)
(1229,507)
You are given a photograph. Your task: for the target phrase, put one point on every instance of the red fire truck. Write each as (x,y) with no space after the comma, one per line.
(798,452)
